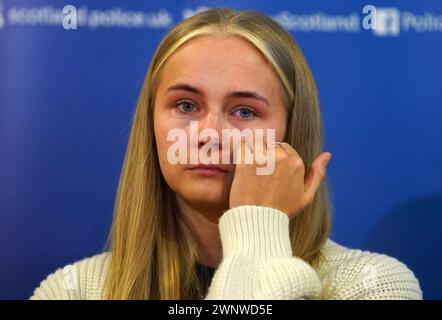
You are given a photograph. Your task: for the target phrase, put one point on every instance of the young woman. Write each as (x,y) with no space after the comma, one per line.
(189,231)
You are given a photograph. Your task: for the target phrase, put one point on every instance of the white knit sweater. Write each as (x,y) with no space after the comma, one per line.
(258,264)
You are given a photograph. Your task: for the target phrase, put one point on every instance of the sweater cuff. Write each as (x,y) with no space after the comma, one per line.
(256,231)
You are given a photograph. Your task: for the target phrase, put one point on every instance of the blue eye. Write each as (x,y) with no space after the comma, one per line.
(246,113)
(185,106)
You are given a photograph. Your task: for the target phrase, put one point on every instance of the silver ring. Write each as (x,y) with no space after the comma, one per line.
(276,142)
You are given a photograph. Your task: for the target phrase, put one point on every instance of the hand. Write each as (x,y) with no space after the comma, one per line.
(286,188)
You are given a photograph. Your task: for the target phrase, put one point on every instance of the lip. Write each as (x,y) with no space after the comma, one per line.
(208,170)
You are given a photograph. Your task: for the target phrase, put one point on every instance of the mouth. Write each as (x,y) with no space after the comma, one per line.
(208,170)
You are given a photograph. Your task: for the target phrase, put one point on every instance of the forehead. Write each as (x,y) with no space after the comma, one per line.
(226,62)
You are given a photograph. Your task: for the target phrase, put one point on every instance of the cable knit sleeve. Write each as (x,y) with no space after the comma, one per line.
(364,275)
(83,280)
(257,258)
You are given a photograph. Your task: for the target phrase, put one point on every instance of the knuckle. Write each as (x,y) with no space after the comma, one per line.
(297,162)
(280,155)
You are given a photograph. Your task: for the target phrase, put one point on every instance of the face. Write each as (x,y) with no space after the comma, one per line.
(196,84)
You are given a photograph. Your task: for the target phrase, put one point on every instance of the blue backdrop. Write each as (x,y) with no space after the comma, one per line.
(67,96)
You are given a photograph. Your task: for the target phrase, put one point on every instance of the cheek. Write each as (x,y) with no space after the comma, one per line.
(170,172)
(160,138)
(276,121)
(281,130)
(161,129)
(280,124)
(163,124)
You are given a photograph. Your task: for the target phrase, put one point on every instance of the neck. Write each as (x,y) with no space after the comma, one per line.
(203,222)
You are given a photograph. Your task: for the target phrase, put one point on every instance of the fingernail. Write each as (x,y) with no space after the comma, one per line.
(328,160)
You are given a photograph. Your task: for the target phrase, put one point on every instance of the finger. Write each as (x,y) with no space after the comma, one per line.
(237,151)
(260,148)
(242,152)
(290,150)
(249,142)
(316,175)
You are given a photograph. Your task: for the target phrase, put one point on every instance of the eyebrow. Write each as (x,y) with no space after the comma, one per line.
(233,94)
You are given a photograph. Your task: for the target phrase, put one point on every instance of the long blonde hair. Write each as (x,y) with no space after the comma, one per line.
(154,253)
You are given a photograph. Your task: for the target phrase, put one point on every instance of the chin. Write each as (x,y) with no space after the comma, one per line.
(208,193)
(203,195)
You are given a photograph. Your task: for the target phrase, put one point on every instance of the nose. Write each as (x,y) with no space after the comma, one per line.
(213,122)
